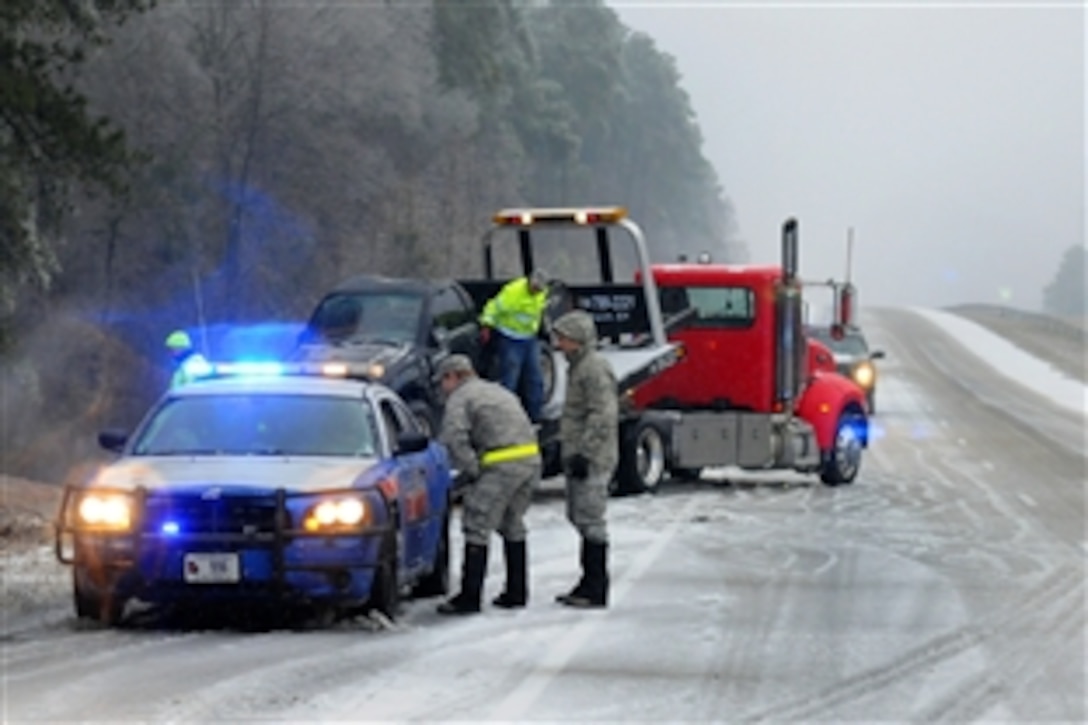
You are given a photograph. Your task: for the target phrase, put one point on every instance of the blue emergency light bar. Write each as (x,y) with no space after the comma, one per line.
(270,368)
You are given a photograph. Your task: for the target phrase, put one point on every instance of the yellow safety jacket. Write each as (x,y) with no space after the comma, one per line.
(515,311)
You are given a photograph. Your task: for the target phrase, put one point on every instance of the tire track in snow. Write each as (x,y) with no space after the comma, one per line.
(824,704)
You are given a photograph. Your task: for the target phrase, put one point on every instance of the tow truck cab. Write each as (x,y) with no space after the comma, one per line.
(750,389)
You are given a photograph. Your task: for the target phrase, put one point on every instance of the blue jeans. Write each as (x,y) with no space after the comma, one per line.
(519,372)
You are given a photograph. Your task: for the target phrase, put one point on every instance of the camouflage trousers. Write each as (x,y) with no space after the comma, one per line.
(498,500)
(587,499)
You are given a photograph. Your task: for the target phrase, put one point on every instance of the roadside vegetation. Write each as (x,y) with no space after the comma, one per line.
(181,162)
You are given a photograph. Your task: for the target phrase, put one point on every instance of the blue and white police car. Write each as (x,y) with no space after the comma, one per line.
(263,485)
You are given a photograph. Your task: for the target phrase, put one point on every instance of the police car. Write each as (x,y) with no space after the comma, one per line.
(263,485)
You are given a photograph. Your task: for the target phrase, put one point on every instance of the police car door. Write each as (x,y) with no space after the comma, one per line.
(412,477)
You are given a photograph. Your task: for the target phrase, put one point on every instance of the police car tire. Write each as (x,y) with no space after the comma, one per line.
(384,591)
(87,605)
(437,583)
(107,608)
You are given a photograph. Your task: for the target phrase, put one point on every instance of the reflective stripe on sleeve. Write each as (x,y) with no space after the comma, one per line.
(509,453)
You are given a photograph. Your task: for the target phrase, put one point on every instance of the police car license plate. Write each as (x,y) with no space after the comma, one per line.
(217,568)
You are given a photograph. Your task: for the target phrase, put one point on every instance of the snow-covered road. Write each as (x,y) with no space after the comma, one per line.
(946,584)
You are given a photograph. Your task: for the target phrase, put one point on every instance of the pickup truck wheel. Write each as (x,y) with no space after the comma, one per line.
(547,371)
(437,583)
(425,416)
(842,461)
(642,459)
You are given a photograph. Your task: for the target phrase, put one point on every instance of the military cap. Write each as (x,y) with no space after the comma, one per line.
(456,363)
(576,325)
(539,278)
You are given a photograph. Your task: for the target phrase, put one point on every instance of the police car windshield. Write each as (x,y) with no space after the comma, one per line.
(264,424)
(368,316)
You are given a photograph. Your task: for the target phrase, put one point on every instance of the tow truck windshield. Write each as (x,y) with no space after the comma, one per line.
(714,307)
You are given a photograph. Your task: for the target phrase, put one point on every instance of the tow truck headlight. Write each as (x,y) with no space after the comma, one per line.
(334,514)
(105,511)
(865,375)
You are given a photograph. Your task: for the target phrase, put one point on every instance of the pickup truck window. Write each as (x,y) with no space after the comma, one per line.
(715,307)
(450,309)
(378,315)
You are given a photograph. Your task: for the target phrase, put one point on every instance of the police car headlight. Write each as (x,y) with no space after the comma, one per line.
(333,514)
(107,511)
(865,375)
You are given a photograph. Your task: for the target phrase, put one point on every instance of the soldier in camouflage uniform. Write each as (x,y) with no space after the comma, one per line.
(494,447)
(589,430)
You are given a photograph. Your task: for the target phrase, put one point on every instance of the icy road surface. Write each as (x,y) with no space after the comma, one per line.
(947,584)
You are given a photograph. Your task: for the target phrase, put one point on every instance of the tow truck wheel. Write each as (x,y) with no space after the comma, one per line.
(437,583)
(642,459)
(843,461)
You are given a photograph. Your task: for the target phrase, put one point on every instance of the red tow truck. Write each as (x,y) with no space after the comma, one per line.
(750,389)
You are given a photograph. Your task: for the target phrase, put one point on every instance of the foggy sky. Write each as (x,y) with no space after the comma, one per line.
(950,137)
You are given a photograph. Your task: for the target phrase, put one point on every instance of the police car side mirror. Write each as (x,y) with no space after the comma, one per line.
(411,442)
(112,440)
(876,355)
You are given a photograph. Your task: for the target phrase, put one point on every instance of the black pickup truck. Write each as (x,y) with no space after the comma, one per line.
(397,330)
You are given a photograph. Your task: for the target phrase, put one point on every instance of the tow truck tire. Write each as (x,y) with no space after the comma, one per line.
(437,583)
(842,461)
(385,591)
(643,458)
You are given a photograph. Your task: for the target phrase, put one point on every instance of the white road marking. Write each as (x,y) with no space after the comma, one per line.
(1027,499)
(517,704)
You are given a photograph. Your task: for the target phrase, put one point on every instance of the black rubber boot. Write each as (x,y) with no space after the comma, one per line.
(472,583)
(579,589)
(516,593)
(595,593)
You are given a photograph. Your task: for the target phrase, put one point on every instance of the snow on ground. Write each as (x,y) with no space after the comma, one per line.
(1010,360)
(30,576)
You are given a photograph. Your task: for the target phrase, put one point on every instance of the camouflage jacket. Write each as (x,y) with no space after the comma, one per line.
(590,421)
(482,416)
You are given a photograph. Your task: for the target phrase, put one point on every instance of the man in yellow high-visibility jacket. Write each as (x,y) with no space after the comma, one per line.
(515,314)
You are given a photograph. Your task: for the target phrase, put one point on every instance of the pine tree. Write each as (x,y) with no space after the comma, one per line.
(1065,295)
